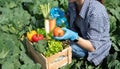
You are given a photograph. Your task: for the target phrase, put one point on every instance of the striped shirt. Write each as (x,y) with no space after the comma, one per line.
(92,24)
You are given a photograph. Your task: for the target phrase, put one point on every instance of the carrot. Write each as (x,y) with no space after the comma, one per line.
(52,24)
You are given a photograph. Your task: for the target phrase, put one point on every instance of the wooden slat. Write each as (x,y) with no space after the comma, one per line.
(59,64)
(69,55)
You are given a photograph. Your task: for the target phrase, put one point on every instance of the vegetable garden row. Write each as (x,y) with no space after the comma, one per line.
(17,17)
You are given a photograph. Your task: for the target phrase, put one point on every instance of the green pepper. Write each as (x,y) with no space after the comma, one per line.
(41,31)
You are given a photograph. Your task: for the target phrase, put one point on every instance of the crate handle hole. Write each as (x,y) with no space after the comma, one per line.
(58,59)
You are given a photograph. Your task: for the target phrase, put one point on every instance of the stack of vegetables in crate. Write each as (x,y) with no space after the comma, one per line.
(50,53)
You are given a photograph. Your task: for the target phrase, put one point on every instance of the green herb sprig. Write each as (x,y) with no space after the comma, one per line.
(45,9)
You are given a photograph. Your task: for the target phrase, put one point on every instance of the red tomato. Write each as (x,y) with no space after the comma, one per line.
(37,37)
(40,37)
(58,32)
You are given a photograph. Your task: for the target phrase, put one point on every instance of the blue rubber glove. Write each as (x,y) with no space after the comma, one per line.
(68,35)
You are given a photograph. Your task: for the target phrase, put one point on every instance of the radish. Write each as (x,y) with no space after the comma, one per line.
(45,8)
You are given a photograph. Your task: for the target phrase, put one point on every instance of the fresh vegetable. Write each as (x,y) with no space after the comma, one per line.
(47,26)
(52,24)
(45,9)
(41,46)
(53,47)
(58,32)
(37,37)
(65,43)
(30,34)
(41,31)
(48,47)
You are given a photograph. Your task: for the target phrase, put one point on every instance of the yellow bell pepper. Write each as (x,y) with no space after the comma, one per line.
(30,34)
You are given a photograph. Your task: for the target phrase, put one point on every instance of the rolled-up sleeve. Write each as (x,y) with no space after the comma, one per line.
(98,34)
(95,30)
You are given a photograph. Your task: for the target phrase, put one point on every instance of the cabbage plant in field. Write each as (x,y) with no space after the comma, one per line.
(16,16)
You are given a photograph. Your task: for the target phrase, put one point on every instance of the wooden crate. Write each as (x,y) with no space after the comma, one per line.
(53,62)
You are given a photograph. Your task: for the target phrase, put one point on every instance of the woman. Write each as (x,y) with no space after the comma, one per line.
(89,30)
